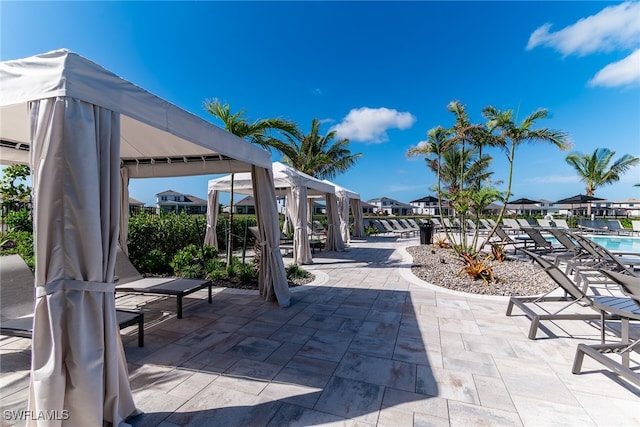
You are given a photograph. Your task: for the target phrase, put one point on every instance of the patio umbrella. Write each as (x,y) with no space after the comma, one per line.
(578,199)
(523,201)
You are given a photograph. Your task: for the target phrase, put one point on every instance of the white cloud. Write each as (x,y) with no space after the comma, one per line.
(614,27)
(327,120)
(317,91)
(371,124)
(621,73)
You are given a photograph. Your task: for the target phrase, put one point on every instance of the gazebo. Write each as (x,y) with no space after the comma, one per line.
(85,132)
(298,188)
(348,199)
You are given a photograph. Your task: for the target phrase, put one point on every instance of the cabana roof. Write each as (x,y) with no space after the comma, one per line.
(158,139)
(283,177)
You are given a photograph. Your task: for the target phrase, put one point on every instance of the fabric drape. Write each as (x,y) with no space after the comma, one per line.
(334,239)
(124,210)
(272,277)
(296,208)
(358,223)
(343,214)
(210,236)
(78,362)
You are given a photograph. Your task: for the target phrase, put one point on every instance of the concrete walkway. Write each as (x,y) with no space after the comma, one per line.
(368,344)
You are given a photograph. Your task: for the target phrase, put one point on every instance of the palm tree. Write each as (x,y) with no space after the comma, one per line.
(314,154)
(509,135)
(594,168)
(257,132)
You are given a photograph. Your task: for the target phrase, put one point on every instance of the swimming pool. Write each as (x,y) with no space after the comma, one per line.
(618,243)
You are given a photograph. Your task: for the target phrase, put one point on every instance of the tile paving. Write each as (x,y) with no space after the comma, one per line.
(367,344)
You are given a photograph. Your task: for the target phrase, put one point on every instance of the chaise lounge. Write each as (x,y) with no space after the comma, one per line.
(17,299)
(131,281)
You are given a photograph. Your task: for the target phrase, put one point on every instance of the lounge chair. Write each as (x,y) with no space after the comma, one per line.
(617,262)
(413,223)
(405,223)
(626,309)
(573,295)
(592,226)
(561,223)
(471,226)
(510,225)
(526,223)
(635,226)
(614,226)
(449,225)
(541,244)
(574,252)
(17,300)
(131,281)
(505,239)
(436,223)
(391,229)
(401,227)
(544,223)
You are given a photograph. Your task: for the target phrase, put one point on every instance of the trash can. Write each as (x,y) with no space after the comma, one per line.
(426,233)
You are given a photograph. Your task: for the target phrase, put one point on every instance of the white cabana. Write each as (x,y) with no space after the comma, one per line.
(85,131)
(297,187)
(349,199)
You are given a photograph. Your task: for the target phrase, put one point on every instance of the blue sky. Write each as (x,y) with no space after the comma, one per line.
(380,73)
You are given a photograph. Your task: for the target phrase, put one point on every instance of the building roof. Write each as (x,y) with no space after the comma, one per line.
(189,199)
(135,202)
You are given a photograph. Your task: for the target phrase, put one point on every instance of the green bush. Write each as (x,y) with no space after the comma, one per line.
(166,233)
(155,262)
(295,272)
(19,242)
(190,260)
(20,220)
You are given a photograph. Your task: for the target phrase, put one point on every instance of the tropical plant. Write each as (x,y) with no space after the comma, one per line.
(595,169)
(508,135)
(498,252)
(477,268)
(314,154)
(14,191)
(257,132)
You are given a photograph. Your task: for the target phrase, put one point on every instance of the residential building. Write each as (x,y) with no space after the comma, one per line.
(387,206)
(135,206)
(626,207)
(428,205)
(172,201)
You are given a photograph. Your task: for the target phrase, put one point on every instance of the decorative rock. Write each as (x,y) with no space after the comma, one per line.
(514,276)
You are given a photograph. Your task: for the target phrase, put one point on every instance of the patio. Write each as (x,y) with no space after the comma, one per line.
(366,344)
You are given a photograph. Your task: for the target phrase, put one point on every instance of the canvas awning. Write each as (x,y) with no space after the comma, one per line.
(84,131)
(297,187)
(349,199)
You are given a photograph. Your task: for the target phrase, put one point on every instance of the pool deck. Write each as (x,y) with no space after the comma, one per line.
(367,344)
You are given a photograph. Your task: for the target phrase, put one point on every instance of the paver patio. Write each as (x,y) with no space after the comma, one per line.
(366,344)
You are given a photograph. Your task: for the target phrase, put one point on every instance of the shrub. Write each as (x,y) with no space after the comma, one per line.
(190,260)
(19,242)
(155,262)
(20,220)
(477,268)
(295,272)
(498,252)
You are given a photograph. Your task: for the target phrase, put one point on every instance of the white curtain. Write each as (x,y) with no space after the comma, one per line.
(210,236)
(124,210)
(78,363)
(334,239)
(358,223)
(297,211)
(272,278)
(343,214)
